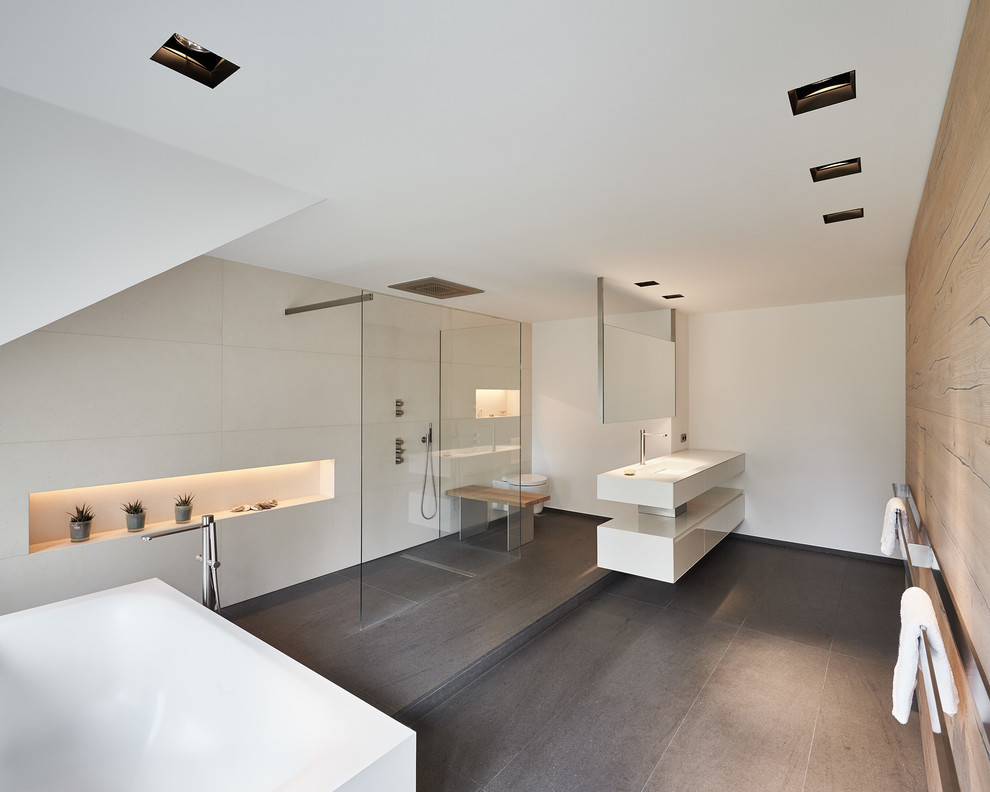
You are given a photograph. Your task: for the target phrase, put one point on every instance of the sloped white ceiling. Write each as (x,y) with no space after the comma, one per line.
(89,209)
(519,147)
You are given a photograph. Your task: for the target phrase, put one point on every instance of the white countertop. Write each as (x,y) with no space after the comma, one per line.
(669,481)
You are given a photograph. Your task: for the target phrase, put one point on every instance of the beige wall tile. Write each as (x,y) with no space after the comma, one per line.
(59,386)
(415,382)
(254,303)
(270,389)
(180,304)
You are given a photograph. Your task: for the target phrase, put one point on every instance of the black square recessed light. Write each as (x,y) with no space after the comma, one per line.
(848,214)
(823,93)
(672,296)
(196,62)
(836,169)
(647,283)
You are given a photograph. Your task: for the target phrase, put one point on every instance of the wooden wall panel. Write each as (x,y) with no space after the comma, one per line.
(951,376)
(951,459)
(948,345)
(946,276)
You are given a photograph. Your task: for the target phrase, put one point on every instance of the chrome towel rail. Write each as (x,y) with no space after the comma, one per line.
(957,749)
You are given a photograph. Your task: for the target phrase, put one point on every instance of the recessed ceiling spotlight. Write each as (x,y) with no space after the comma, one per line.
(193,60)
(823,93)
(672,296)
(836,169)
(647,283)
(189,44)
(848,214)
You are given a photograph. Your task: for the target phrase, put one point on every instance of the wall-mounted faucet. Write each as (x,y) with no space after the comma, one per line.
(642,443)
(398,408)
(400,449)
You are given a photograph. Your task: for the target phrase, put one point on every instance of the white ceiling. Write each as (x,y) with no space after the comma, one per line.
(523,148)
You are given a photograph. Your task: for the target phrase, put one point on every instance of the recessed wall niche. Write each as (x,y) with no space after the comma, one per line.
(214,493)
(492,403)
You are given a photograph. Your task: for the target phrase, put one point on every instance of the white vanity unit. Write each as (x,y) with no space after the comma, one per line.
(683,512)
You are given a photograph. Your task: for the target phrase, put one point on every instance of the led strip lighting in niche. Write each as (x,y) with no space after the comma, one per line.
(214,493)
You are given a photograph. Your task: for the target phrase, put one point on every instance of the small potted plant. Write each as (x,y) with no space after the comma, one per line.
(80,522)
(134,514)
(183,508)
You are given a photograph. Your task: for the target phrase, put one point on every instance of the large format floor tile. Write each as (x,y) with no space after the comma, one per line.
(481,729)
(407,577)
(858,744)
(764,668)
(405,649)
(613,731)
(778,709)
(867,623)
(800,600)
(752,726)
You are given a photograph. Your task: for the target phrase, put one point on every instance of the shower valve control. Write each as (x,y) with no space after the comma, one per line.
(398,407)
(399,450)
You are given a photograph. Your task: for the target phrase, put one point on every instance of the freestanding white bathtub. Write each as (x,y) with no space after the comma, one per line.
(140,689)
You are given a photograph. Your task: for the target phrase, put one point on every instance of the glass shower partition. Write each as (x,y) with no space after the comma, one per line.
(424,433)
(481,430)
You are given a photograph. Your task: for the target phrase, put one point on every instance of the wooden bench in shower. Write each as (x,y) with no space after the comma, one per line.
(525,501)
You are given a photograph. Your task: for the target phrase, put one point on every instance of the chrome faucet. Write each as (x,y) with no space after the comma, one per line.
(642,443)
(209,558)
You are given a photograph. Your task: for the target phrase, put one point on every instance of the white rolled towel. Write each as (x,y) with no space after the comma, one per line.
(917,614)
(889,536)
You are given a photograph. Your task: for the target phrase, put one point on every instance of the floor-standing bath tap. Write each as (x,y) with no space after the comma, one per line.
(211,563)
(210,558)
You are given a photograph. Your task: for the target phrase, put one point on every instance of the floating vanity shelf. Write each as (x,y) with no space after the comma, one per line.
(664,548)
(292,485)
(682,512)
(666,483)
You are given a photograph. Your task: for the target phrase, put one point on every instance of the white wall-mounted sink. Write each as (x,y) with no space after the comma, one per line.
(665,483)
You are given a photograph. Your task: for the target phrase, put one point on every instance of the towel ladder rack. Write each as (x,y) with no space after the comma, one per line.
(957,750)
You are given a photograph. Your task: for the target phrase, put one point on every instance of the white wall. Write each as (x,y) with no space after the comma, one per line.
(814,395)
(569,444)
(197,370)
(192,371)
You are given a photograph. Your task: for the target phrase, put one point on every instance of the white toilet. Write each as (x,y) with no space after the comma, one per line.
(532,483)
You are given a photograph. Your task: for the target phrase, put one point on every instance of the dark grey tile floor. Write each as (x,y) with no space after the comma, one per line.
(429,612)
(764,668)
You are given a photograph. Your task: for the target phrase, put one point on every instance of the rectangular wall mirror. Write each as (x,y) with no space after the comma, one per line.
(635,356)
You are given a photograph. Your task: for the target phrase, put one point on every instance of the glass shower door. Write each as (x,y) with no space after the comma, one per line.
(440,412)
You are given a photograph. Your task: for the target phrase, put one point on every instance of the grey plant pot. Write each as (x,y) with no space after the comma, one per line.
(79,531)
(183,513)
(135,522)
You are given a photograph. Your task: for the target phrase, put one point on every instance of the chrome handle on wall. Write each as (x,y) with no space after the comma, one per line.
(398,405)
(399,449)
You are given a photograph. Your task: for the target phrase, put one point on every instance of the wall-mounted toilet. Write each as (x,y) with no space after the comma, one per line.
(533,483)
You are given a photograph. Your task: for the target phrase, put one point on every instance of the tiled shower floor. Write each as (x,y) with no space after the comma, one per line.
(765,668)
(429,612)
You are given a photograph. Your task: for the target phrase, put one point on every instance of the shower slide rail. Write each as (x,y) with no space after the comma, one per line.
(957,749)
